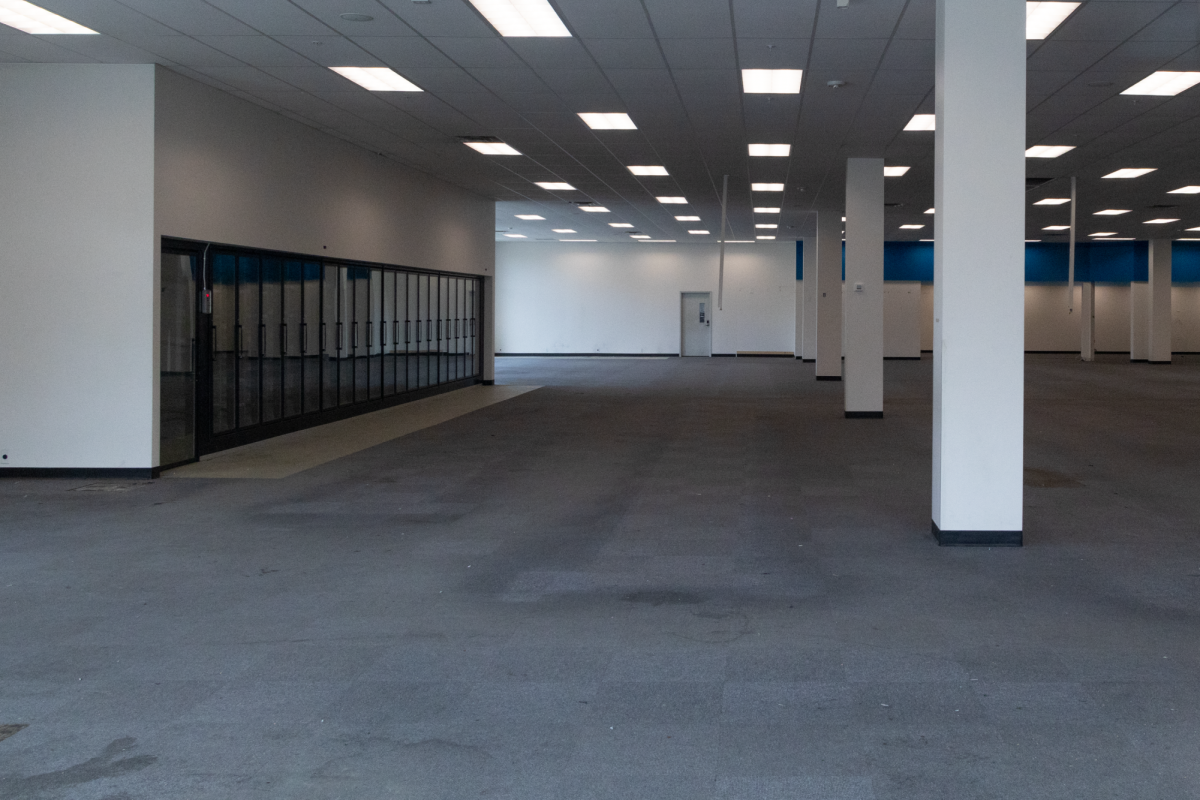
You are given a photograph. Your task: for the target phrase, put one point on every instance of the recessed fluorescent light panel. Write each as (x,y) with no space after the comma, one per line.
(565,230)
(594,209)
(911,227)
(922,122)
(608,122)
(522,17)
(894,172)
(638,236)
(529,216)
(766,187)
(1112,212)
(929,211)
(1057,228)
(657,241)
(1048,150)
(771,81)
(1053,201)
(1185,190)
(493,148)
(515,235)
(672,201)
(577,240)
(32,19)
(702,233)
(649,171)
(765,210)
(766,225)
(1042,18)
(556,186)
(1159,221)
(687,219)
(770,149)
(1109,233)
(1165,84)
(377,79)
(1192,230)
(1130,173)
(764,237)
(620,224)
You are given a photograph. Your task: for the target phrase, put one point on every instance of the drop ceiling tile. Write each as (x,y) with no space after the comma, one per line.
(714,83)
(248,79)
(626,53)
(471,53)
(490,112)
(330,51)
(272,17)
(551,53)
(383,24)
(517,79)
(1179,23)
(257,51)
(640,81)
(9,58)
(772,53)
(1109,21)
(108,50)
(1047,82)
(695,19)
(909,82)
(846,54)
(862,20)
(755,19)
(533,102)
(309,79)
(1055,55)
(441,19)
(699,53)
(191,18)
(110,17)
(184,50)
(40,50)
(574,85)
(1142,56)
(909,54)
(444,81)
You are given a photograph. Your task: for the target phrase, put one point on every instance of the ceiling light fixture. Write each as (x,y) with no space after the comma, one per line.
(555,186)
(765,210)
(766,187)
(565,230)
(638,236)
(577,240)
(922,122)
(770,150)
(1165,83)
(1130,172)
(929,211)
(672,201)
(687,219)
(608,122)
(377,79)
(764,237)
(1111,212)
(1159,221)
(1052,201)
(34,19)
(772,81)
(620,224)
(493,148)
(1042,18)
(1192,230)
(515,235)
(1109,233)
(649,171)
(766,225)
(530,216)
(1185,190)
(659,241)
(911,227)
(522,17)
(594,209)
(1057,228)
(701,233)
(894,172)
(1048,150)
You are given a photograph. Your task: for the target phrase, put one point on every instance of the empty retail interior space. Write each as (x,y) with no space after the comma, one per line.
(598,399)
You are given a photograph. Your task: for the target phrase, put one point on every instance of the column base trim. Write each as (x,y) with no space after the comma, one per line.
(488,383)
(125,473)
(829,377)
(864,415)
(977,538)
(808,360)
(1158,362)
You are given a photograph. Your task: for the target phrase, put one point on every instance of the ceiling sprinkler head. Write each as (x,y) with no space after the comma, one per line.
(836,84)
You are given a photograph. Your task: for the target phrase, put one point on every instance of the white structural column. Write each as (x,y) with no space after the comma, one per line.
(829,295)
(1139,321)
(1159,328)
(979,285)
(1087,321)
(863,303)
(807,349)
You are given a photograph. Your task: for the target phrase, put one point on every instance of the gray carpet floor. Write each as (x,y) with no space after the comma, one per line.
(650,579)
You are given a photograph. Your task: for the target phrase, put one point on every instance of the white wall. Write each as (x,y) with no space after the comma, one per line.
(77,266)
(232,172)
(1185,313)
(902,319)
(624,298)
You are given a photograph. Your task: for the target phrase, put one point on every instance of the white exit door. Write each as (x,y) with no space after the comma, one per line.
(697,324)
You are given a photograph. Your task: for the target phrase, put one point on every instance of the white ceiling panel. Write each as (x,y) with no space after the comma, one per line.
(574,83)
(107,50)
(773,53)
(875,19)
(1180,22)
(248,79)
(257,51)
(905,54)
(515,79)
(443,82)
(1055,55)
(383,23)
(441,18)
(330,51)
(611,19)
(695,19)
(471,53)
(40,49)
(183,50)
(754,19)
(551,53)
(626,53)
(108,17)
(191,18)
(273,17)
(1110,21)
(847,54)
(404,52)
(700,53)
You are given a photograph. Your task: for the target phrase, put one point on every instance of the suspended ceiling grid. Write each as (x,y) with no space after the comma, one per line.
(673,65)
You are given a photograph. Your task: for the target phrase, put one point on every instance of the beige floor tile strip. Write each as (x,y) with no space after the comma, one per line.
(291,453)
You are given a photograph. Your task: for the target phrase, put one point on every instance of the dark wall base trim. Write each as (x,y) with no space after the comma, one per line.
(977,538)
(1139,360)
(864,415)
(135,473)
(808,360)
(901,358)
(1158,362)
(829,377)
(724,355)
(587,355)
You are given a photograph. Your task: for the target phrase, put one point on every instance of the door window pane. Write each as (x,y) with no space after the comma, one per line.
(291,329)
(249,342)
(310,336)
(387,331)
(271,333)
(224,342)
(177,363)
(330,341)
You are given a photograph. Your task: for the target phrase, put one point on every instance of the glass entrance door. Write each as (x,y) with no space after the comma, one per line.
(177,358)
